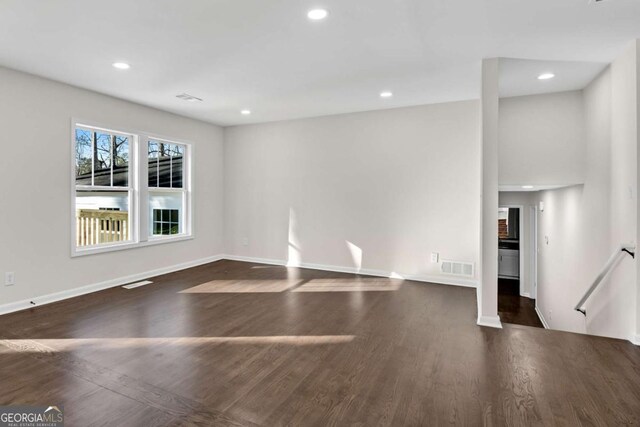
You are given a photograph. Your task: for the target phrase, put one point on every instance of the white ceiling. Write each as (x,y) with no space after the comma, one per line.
(265,55)
(519,76)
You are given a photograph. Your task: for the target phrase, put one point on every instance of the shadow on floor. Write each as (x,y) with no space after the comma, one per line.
(513,308)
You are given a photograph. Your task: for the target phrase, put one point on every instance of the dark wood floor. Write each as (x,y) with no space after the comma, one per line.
(513,308)
(233,343)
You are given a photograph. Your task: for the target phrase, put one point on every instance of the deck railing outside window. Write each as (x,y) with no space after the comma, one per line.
(95,226)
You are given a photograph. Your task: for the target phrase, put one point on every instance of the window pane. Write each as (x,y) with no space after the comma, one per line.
(177,160)
(164,165)
(102,217)
(83,157)
(166,228)
(164,212)
(102,159)
(153,164)
(121,161)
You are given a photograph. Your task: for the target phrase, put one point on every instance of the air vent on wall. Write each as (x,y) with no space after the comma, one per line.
(457,268)
(187,97)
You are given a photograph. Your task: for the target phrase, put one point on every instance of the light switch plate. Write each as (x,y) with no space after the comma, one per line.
(435,256)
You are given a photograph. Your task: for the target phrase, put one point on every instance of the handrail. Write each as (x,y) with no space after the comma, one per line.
(629,249)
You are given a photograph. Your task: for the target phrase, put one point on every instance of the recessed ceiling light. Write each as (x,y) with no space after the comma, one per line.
(386,94)
(527,187)
(245,112)
(546,76)
(317,14)
(121,65)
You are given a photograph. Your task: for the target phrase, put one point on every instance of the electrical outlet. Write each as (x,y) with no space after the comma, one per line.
(9,278)
(245,241)
(435,256)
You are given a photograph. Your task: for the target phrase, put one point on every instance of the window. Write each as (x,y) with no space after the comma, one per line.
(166,221)
(110,192)
(102,191)
(167,192)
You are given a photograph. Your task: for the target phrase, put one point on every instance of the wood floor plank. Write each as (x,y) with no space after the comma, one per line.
(233,343)
(146,394)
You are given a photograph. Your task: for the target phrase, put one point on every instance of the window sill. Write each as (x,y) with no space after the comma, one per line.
(75,252)
(159,240)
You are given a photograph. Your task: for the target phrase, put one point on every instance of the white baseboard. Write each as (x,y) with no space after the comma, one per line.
(489,321)
(253,259)
(59,296)
(541,317)
(635,339)
(441,280)
(526,295)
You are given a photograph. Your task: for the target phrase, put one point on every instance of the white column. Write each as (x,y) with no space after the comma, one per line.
(488,289)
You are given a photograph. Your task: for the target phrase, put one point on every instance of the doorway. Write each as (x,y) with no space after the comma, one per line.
(516,264)
(509,233)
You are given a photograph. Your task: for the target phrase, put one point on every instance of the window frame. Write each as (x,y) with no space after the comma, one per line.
(137,189)
(186,191)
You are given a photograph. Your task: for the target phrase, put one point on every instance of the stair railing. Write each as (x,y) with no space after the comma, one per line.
(629,249)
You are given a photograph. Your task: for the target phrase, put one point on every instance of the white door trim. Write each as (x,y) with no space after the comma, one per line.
(533,251)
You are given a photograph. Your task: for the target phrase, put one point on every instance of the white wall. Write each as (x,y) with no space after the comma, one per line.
(636,338)
(394,184)
(615,315)
(542,142)
(566,262)
(542,139)
(526,200)
(35,118)
(585,223)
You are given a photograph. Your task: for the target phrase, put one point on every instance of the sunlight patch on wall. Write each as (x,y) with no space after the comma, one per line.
(294,257)
(356,255)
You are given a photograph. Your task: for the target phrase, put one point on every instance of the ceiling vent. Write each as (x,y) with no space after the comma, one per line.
(187,97)
(457,268)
